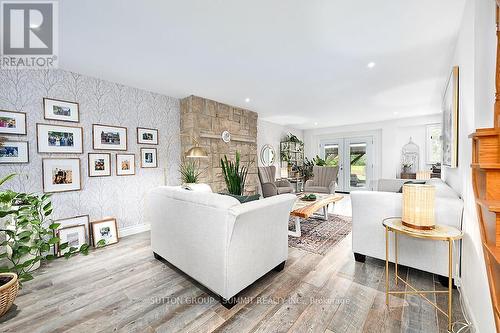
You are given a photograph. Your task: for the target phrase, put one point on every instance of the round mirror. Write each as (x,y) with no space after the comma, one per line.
(267,155)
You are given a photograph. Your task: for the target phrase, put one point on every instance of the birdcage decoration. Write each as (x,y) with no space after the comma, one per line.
(410,155)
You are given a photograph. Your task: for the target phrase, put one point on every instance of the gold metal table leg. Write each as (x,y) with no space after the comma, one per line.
(387,266)
(396,257)
(450,281)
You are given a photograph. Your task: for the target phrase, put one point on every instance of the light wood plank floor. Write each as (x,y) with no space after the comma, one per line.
(123,288)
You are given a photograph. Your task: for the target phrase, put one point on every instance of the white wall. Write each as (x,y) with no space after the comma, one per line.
(272,134)
(389,138)
(475,56)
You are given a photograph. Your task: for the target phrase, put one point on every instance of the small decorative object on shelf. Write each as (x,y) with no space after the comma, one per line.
(418,206)
(410,157)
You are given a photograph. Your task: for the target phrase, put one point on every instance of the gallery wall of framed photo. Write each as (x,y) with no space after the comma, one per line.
(76,137)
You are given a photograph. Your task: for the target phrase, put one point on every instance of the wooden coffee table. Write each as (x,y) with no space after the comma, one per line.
(305,209)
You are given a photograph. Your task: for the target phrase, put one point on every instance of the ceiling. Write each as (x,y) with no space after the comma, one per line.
(301,63)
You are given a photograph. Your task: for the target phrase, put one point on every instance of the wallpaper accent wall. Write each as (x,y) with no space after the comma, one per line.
(101,102)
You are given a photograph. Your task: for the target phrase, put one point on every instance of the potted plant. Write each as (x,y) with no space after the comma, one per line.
(27,237)
(235,177)
(190,173)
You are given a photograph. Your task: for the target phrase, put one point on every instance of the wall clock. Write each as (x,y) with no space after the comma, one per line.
(226,136)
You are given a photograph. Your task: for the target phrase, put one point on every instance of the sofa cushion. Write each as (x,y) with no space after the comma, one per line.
(208,199)
(443,190)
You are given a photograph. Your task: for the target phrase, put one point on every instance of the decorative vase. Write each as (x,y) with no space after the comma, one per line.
(8,292)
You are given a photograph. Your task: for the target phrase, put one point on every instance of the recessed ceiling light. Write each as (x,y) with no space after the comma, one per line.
(247,100)
(396,113)
(316,124)
(371,64)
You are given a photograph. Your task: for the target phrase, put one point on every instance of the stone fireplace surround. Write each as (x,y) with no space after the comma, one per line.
(205,120)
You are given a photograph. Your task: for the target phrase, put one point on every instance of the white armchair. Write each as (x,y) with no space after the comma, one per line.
(222,244)
(324,180)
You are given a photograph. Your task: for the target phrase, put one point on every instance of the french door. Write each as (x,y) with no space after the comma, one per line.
(354,157)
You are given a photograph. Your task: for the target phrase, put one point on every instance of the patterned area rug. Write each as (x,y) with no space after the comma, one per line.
(319,236)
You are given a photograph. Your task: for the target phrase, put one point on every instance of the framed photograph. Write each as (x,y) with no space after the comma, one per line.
(99,164)
(450,121)
(59,139)
(13,123)
(75,236)
(149,158)
(125,164)
(147,136)
(71,222)
(55,109)
(61,175)
(109,137)
(14,152)
(105,229)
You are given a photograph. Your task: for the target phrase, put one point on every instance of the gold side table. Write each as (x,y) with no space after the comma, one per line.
(440,233)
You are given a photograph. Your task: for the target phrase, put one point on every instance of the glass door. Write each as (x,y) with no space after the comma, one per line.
(354,158)
(359,162)
(332,152)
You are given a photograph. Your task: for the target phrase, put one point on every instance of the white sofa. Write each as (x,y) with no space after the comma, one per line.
(368,234)
(222,244)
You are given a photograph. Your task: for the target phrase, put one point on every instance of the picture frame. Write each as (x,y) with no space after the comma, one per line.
(75,220)
(75,236)
(14,152)
(61,175)
(106,137)
(99,164)
(59,139)
(149,158)
(450,107)
(147,136)
(13,123)
(105,229)
(125,164)
(57,109)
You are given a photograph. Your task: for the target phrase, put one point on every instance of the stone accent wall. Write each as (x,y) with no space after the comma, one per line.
(205,120)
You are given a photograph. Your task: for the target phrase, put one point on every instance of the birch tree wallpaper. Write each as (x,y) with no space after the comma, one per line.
(100,102)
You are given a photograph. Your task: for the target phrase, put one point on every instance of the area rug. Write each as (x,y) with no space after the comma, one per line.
(319,236)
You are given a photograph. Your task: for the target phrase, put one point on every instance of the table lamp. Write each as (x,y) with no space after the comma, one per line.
(418,206)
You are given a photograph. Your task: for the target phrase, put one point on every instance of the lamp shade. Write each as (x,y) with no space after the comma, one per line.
(423,175)
(418,206)
(196,152)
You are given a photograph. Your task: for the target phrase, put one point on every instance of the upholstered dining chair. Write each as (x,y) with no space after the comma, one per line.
(269,185)
(324,180)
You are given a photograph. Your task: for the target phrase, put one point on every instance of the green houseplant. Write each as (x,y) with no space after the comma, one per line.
(190,173)
(29,232)
(235,176)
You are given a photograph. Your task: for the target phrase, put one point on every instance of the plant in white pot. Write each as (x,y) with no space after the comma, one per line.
(25,239)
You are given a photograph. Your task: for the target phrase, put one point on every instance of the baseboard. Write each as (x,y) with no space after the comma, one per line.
(465,303)
(134,229)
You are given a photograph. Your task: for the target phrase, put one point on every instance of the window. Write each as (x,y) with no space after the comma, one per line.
(433,145)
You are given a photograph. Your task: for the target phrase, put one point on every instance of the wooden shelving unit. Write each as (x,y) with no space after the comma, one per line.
(486,182)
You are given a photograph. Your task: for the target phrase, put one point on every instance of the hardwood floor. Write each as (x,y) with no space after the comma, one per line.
(123,288)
